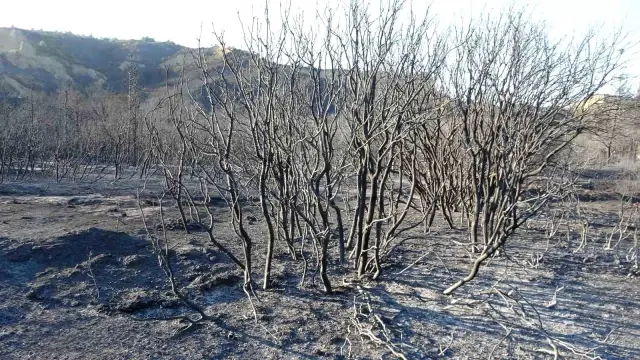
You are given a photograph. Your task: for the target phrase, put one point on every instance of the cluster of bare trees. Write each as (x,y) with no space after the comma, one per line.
(346,136)
(616,134)
(70,135)
(350,136)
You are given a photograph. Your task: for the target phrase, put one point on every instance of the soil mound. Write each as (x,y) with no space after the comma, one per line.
(112,270)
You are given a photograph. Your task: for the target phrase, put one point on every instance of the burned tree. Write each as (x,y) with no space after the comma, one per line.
(515,93)
(391,71)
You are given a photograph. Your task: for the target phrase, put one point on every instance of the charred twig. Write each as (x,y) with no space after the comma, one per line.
(367,324)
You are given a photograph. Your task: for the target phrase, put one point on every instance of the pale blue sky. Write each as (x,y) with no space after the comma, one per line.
(180,20)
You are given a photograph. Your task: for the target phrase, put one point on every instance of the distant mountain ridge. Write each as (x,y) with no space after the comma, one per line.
(46,62)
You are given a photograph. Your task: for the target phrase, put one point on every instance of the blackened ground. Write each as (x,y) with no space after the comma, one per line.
(79,280)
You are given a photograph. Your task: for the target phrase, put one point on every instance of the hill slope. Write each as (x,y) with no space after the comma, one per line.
(49,61)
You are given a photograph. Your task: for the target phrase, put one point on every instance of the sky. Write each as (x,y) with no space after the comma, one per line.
(184,21)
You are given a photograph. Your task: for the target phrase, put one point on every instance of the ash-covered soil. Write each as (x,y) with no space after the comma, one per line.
(79,280)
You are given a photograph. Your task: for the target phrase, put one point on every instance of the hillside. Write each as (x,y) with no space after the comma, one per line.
(48,61)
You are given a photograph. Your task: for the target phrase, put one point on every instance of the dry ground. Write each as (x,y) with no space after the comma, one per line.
(77,278)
